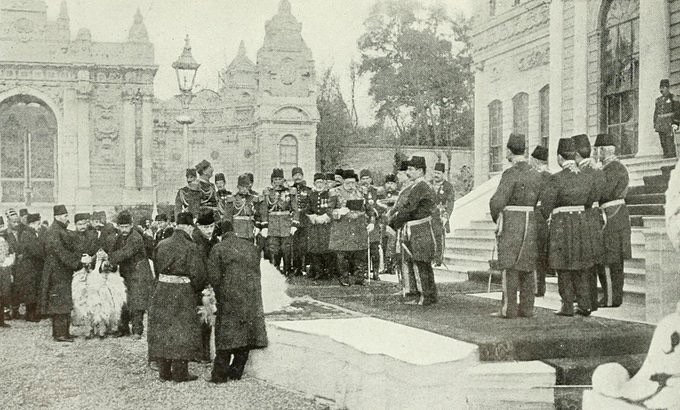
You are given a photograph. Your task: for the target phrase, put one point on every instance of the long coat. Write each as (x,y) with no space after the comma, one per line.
(348,232)
(594,214)
(28,269)
(617,229)
(234,273)
(174,327)
(416,202)
(318,234)
(61,260)
(516,237)
(130,255)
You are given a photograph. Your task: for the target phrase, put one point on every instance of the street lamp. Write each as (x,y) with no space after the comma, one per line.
(186,68)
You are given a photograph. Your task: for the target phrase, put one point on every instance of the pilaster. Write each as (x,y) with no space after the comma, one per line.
(147,139)
(556,43)
(128,137)
(580,72)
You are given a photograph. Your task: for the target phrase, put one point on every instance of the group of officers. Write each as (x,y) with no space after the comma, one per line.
(573,222)
(339,226)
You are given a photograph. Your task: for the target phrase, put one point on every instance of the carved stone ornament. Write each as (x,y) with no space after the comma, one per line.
(535,58)
(288,72)
(505,31)
(106,128)
(24,29)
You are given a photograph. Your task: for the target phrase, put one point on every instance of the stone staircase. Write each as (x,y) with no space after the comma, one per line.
(471,245)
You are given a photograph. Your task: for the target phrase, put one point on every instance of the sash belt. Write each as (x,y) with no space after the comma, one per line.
(615,202)
(173,279)
(518,208)
(572,208)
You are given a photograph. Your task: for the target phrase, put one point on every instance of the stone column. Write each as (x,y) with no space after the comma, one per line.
(67,146)
(654,65)
(147,139)
(556,39)
(580,73)
(128,138)
(83,105)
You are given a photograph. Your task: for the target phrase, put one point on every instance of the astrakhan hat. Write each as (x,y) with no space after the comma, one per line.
(517,143)
(161,218)
(319,176)
(190,172)
(124,218)
(59,210)
(349,173)
(201,166)
(339,172)
(205,217)
(23,212)
(417,162)
(277,173)
(251,177)
(664,83)
(32,218)
(330,176)
(99,215)
(604,140)
(243,180)
(185,218)
(297,170)
(81,217)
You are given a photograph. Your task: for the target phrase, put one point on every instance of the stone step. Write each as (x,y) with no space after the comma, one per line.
(470,250)
(646,209)
(483,224)
(463,264)
(654,222)
(474,233)
(659,180)
(666,170)
(473,240)
(635,265)
(579,370)
(636,222)
(643,199)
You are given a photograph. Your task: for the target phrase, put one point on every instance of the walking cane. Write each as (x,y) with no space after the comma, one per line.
(370,268)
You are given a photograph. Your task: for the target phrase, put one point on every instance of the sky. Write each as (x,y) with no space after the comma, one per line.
(330,28)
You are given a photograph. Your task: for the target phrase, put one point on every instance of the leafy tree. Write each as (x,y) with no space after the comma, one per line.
(335,126)
(420,66)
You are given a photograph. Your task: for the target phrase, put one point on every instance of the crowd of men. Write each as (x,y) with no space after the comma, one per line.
(573,222)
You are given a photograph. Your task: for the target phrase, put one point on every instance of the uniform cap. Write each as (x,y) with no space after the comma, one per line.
(205,217)
(23,212)
(517,143)
(81,217)
(365,173)
(391,178)
(319,176)
(124,218)
(59,210)
(220,177)
(277,173)
(540,153)
(185,218)
(664,83)
(190,172)
(243,180)
(566,146)
(297,170)
(604,140)
(201,166)
(32,218)
(439,166)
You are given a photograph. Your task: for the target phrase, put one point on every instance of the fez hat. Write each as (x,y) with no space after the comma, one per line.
(251,177)
(124,218)
(243,180)
(604,140)
(339,172)
(277,173)
(391,178)
(540,153)
(296,170)
(220,177)
(23,212)
(403,165)
(581,141)
(516,143)
(664,83)
(226,226)
(417,162)
(83,216)
(348,173)
(330,176)
(439,166)
(205,217)
(32,218)
(566,146)
(162,218)
(59,210)
(355,204)
(190,172)
(98,215)
(185,218)
(319,176)
(201,166)
(365,173)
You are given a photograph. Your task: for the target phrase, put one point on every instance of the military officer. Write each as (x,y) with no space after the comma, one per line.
(188,198)
(617,247)
(243,210)
(370,197)
(204,236)
(302,192)
(161,226)
(513,209)
(221,193)
(444,200)
(389,236)
(207,188)
(571,254)
(412,215)
(666,118)
(319,229)
(539,161)
(280,220)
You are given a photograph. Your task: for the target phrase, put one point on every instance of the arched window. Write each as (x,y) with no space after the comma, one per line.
(520,114)
(495,136)
(620,72)
(288,152)
(544,115)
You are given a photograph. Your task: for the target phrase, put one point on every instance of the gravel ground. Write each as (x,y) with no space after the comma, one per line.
(113,374)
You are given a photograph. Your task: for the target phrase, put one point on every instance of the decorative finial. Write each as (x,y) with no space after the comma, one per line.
(138,33)
(138,17)
(284,7)
(242,49)
(63,10)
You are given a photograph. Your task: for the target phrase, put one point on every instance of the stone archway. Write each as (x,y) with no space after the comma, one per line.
(28,140)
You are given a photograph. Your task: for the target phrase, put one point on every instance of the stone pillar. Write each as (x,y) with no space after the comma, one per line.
(556,39)
(147,139)
(67,148)
(129,142)
(83,141)
(654,65)
(580,73)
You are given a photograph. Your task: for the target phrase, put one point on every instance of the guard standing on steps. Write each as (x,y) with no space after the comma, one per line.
(513,209)
(412,216)
(279,220)
(539,161)
(571,248)
(444,200)
(617,247)
(666,118)
(594,214)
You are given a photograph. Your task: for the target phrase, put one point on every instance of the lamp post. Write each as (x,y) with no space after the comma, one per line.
(186,68)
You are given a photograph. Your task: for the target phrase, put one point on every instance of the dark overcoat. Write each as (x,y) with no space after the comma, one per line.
(61,261)
(518,231)
(129,254)
(416,202)
(445,197)
(29,267)
(617,229)
(594,213)
(666,113)
(542,228)
(244,212)
(371,197)
(5,273)
(174,325)
(234,273)
(318,234)
(348,232)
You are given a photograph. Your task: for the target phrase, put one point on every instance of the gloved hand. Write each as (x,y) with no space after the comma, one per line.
(86,259)
(370,227)
(293,230)
(101,255)
(255,231)
(264,232)
(675,127)
(324,219)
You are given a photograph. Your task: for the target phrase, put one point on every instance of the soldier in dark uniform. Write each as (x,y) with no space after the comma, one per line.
(389,236)
(222,193)
(61,261)
(539,161)
(571,254)
(28,270)
(412,215)
(444,200)
(374,237)
(243,210)
(12,237)
(513,209)
(352,222)
(174,335)
(593,213)
(319,229)
(188,198)
(204,236)
(161,226)
(279,220)
(207,188)
(302,192)
(666,118)
(617,247)
(338,177)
